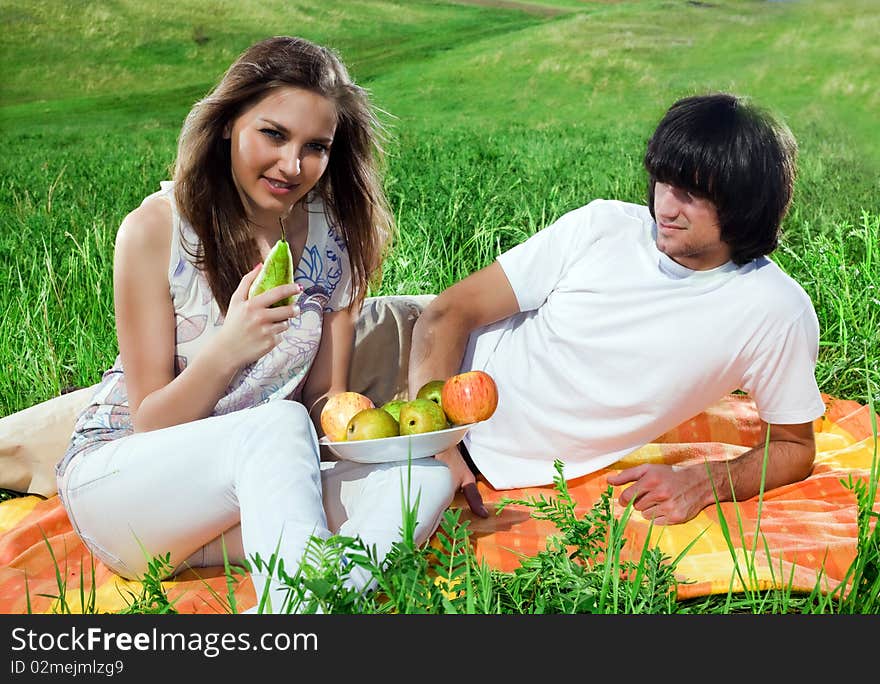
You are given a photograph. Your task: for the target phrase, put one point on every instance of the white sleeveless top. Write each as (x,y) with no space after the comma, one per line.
(323,271)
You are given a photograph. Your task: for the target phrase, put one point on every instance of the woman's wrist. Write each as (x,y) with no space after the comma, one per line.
(218,354)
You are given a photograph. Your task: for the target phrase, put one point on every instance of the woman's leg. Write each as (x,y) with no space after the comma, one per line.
(367,500)
(177,489)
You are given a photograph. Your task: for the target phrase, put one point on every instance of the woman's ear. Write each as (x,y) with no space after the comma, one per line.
(227,132)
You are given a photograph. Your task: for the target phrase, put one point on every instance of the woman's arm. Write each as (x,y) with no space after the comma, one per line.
(145,327)
(329,372)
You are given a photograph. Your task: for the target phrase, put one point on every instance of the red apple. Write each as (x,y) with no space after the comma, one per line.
(339,409)
(469,397)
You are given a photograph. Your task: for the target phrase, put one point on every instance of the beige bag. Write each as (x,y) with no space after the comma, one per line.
(383,337)
(33,440)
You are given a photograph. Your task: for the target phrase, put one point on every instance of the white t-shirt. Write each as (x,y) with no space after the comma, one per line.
(616,343)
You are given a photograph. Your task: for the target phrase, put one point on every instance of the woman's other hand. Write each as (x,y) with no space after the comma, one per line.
(252,326)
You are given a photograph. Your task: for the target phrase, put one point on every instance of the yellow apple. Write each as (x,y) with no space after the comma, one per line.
(338,410)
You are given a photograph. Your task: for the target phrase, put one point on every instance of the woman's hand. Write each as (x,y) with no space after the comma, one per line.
(252,327)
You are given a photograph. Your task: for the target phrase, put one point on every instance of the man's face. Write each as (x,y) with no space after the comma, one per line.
(687,228)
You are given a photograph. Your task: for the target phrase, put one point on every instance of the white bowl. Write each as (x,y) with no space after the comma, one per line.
(399,448)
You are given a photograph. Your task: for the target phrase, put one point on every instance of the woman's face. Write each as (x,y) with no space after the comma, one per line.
(280,147)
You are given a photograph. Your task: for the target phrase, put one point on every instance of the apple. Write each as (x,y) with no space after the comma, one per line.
(393,407)
(338,410)
(431,390)
(371,423)
(469,397)
(421,415)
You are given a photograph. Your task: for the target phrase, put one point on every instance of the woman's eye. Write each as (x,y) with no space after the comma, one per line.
(271,133)
(318,147)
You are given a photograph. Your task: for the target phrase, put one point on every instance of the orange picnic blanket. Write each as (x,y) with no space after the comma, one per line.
(808,530)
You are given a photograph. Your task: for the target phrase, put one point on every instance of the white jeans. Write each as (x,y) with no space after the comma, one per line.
(252,476)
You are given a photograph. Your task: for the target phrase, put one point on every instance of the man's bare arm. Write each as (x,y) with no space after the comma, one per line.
(675,494)
(790,452)
(439,340)
(441,333)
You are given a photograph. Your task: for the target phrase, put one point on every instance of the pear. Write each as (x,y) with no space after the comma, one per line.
(421,415)
(393,407)
(432,390)
(277,270)
(371,423)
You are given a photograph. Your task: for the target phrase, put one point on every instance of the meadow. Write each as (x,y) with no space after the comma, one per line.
(500,117)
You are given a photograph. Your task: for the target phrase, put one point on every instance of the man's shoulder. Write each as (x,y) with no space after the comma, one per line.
(782,291)
(614,207)
(607,212)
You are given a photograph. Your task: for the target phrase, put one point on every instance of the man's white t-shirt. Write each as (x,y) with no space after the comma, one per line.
(616,343)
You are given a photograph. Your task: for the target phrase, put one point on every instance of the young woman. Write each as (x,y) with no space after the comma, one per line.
(204,430)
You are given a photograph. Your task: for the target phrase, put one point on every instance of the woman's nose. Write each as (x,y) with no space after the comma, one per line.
(290,162)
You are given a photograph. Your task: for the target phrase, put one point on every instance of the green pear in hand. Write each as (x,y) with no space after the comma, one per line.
(277,270)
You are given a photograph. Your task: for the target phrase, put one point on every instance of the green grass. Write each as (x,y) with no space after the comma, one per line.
(502,119)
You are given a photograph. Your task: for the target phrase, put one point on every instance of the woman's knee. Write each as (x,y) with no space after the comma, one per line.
(282,428)
(284,418)
(282,411)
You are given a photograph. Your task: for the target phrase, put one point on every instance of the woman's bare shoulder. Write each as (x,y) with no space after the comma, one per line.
(148,227)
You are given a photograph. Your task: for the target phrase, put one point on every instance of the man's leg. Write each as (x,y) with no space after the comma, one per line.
(383,338)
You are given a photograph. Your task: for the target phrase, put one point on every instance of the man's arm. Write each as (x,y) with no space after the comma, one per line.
(441,333)
(440,337)
(675,494)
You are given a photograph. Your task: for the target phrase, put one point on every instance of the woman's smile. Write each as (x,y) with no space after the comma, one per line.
(277,187)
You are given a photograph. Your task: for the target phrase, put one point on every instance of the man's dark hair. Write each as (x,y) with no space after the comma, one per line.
(733,153)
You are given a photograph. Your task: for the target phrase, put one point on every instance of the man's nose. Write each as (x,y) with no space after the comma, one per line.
(666,203)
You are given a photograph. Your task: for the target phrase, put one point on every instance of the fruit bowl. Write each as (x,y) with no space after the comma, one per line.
(398,448)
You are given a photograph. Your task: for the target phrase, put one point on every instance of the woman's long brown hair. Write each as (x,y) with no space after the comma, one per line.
(350,187)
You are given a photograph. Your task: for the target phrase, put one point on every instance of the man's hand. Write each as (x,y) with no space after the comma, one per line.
(668,495)
(464,479)
(674,494)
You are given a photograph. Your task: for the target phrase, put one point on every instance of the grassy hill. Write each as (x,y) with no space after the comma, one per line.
(503,115)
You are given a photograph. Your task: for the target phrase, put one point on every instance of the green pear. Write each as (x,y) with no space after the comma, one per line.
(393,407)
(432,390)
(277,270)
(421,415)
(371,423)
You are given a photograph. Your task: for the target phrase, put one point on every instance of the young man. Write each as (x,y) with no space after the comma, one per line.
(620,321)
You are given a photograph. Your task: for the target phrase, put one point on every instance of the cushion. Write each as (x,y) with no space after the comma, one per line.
(32,441)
